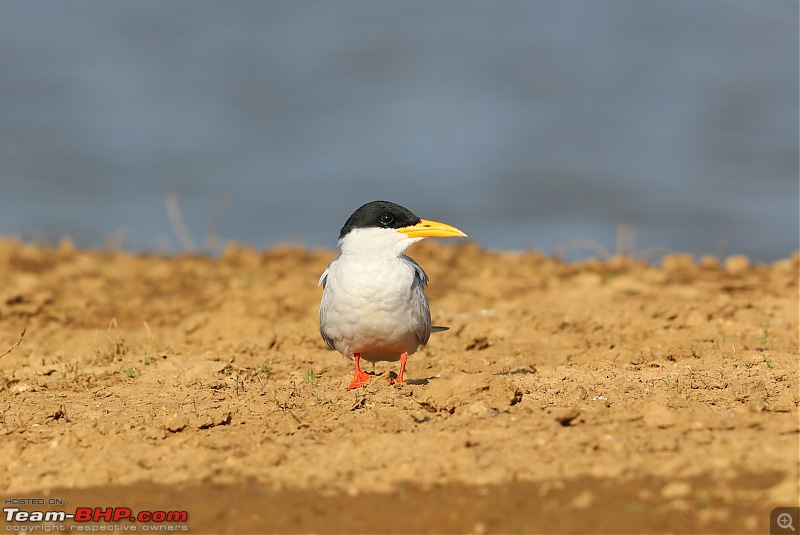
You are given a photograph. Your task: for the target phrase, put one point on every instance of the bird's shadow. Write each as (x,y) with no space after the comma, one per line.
(423,382)
(392,375)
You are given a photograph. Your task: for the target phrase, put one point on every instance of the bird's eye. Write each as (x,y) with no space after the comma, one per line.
(387,219)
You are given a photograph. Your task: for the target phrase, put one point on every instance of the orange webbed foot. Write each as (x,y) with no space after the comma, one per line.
(360,378)
(399,378)
(393,379)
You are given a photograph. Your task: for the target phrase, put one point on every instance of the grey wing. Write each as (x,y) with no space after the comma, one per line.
(323,280)
(419,304)
(421,275)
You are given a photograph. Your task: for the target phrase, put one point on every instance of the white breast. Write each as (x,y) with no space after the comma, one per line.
(370,306)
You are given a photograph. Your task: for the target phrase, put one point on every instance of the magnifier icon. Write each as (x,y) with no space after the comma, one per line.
(784,521)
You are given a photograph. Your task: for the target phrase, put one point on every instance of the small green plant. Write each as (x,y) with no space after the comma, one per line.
(767,362)
(748,365)
(286,405)
(262,369)
(764,338)
(238,383)
(310,377)
(79,376)
(130,372)
(321,399)
(706,501)
(583,464)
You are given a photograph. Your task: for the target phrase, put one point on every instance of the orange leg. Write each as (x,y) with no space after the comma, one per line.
(403,360)
(360,378)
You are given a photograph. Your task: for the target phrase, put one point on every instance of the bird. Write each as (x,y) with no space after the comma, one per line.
(373,301)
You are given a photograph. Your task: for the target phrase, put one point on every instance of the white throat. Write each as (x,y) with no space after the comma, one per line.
(375,242)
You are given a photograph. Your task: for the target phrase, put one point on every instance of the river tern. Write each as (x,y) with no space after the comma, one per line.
(373,301)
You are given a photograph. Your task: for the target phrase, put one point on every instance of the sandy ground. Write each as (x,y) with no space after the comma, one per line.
(598,396)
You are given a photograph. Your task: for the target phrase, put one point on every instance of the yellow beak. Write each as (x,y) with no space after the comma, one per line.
(431,229)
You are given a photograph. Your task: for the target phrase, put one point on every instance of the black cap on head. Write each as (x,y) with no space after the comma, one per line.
(380,214)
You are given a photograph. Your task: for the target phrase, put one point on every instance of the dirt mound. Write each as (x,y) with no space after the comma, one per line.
(610,396)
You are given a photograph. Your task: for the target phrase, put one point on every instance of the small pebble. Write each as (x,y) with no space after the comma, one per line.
(479,409)
(576,395)
(177,423)
(757,405)
(584,500)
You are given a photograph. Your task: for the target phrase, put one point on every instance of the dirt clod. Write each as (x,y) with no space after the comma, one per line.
(737,264)
(676,489)
(658,416)
(565,415)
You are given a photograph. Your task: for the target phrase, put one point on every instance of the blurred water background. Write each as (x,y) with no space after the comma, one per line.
(526,123)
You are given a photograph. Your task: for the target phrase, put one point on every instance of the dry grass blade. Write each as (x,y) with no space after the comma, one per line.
(176,221)
(18,342)
(592,245)
(213,240)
